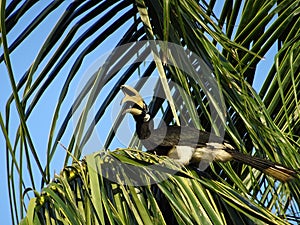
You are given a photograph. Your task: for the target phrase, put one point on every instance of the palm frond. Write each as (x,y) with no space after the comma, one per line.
(109,195)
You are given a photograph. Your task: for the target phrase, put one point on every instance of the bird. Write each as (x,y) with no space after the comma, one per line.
(187,145)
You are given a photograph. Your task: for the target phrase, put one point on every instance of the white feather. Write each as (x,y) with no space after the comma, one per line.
(182,154)
(204,155)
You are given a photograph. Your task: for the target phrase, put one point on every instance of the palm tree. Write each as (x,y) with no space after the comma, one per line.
(205,62)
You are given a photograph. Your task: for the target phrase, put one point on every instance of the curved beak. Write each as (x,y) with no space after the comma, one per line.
(133,111)
(132,95)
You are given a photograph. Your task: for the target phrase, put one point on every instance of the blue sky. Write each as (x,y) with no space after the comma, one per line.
(39,121)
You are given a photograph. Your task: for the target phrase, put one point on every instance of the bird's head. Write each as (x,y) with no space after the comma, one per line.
(139,109)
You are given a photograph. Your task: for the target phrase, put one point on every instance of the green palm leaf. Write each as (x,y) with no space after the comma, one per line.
(187,199)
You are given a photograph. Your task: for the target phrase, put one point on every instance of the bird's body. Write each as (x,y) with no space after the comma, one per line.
(183,144)
(187,145)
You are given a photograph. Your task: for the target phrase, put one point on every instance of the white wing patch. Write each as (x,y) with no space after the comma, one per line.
(213,152)
(204,155)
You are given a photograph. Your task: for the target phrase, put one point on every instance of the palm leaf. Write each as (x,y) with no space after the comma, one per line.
(186,199)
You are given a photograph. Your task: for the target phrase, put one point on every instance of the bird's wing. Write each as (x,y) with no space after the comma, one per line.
(166,138)
(182,136)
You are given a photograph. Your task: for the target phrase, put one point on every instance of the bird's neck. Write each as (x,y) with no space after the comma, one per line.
(143,129)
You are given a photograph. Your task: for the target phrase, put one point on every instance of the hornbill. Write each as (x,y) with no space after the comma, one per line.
(187,145)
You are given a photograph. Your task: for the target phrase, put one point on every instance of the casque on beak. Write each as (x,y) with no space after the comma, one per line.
(132,95)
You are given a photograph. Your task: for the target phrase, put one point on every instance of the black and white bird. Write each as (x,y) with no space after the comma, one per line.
(188,145)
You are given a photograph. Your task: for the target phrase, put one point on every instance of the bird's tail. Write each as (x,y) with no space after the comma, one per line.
(268,167)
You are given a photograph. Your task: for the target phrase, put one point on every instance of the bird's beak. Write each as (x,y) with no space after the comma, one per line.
(133,111)
(132,95)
